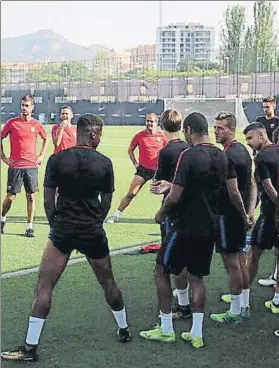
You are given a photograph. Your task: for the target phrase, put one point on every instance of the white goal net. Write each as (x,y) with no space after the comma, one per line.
(209,107)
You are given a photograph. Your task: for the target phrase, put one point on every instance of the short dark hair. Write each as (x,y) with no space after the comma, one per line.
(229,117)
(253,126)
(28,98)
(88,122)
(275,135)
(171,121)
(66,107)
(197,123)
(270,99)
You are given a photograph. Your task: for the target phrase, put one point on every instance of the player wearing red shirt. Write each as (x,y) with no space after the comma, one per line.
(23,161)
(149,143)
(64,135)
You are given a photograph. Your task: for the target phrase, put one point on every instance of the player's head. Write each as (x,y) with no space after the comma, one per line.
(256,136)
(27,105)
(89,130)
(195,124)
(224,127)
(171,121)
(275,136)
(66,113)
(269,106)
(151,121)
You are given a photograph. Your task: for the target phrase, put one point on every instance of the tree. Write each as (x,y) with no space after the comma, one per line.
(247,52)
(4,75)
(264,54)
(232,37)
(75,71)
(101,65)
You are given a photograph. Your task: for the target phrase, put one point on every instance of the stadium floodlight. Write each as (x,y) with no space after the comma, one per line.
(209,107)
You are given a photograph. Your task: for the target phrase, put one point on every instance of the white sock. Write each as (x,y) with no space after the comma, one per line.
(196,330)
(235,305)
(35,327)
(183,297)
(276,298)
(3,218)
(244,298)
(117,213)
(120,317)
(29,226)
(166,322)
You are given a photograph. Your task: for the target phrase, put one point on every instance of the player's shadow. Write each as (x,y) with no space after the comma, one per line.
(23,219)
(137,221)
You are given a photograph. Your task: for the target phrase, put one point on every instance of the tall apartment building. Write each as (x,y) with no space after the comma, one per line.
(177,42)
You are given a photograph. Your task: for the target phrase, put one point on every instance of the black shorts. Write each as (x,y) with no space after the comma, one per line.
(264,233)
(231,235)
(165,227)
(179,251)
(146,174)
(92,244)
(19,177)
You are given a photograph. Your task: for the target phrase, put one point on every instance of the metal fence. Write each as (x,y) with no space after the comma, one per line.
(137,78)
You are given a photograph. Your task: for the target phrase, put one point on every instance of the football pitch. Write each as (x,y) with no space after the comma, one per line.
(80,331)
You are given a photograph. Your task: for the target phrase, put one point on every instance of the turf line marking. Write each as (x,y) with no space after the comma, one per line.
(28,271)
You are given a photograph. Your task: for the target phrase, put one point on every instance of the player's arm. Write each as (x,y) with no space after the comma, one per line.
(232,187)
(50,186)
(253,195)
(133,145)
(277,213)
(6,130)
(42,133)
(235,197)
(58,134)
(265,178)
(107,190)
(177,187)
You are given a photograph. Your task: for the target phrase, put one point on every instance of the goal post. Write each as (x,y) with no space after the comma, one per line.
(209,107)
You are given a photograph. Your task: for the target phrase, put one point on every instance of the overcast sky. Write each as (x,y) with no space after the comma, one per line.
(118,24)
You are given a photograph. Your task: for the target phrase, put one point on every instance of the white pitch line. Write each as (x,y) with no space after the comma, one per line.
(28,271)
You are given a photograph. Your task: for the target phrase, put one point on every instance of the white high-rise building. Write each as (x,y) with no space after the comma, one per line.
(178,42)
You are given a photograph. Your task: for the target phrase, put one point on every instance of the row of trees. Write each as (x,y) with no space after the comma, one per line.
(244,49)
(251,48)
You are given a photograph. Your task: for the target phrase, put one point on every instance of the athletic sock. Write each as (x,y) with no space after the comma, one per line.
(235,305)
(3,218)
(29,226)
(196,330)
(276,298)
(166,322)
(244,298)
(120,318)
(117,213)
(35,327)
(183,297)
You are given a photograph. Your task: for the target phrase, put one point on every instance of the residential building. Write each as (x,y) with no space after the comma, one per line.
(178,42)
(144,55)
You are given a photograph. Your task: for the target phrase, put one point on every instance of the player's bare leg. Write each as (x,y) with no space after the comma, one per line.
(7,203)
(52,265)
(30,198)
(273,304)
(103,271)
(136,185)
(181,291)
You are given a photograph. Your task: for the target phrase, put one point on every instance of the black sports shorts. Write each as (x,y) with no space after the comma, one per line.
(146,174)
(19,177)
(193,252)
(92,244)
(264,233)
(231,235)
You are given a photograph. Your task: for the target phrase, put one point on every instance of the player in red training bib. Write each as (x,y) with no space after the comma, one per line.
(24,161)
(64,135)
(149,142)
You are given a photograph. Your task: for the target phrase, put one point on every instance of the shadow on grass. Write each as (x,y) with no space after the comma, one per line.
(23,219)
(137,221)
